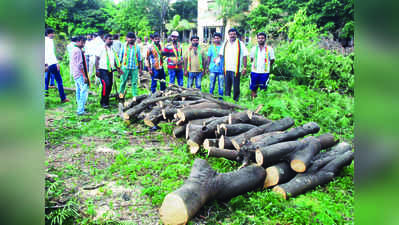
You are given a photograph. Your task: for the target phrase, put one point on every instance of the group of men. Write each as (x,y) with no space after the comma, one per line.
(224,62)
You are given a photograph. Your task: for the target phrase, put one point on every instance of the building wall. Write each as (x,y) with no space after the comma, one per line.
(206,18)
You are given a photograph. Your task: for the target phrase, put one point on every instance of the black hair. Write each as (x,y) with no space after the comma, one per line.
(49,31)
(194,37)
(233,30)
(130,35)
(217,35)
(80,38)
(107,36)
(116,36)
(154,35)
(74,39)
(100,33)
(94,35)
(261,34)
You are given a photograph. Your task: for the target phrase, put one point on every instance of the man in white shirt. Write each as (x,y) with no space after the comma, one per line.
(51,65)
(262,57)
(235,55)
(106,63)
(95,45)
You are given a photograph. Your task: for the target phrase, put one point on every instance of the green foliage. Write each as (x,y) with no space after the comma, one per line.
(187,9)
(304,60)
(179,25)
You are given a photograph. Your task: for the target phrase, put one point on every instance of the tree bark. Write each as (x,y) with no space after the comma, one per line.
(135,101)
(247,117)
(205,184)
(223,153)
(278,174)
(191,114)
(225,142)
(179,131)
(313,178)
(235,129)
(154,117)
(209,143)
(278,125)
(130,113)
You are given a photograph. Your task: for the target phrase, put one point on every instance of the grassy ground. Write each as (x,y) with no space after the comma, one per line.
(110,173)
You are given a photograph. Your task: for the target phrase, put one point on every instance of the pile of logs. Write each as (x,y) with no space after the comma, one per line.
(273,154)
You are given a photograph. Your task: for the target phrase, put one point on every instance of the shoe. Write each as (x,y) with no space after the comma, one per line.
(65,100)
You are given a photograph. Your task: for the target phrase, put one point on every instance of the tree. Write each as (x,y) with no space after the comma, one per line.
(179,25)
(232,9)
(187,9)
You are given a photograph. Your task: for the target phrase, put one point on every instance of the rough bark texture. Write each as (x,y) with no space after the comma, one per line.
(223,153)
(205,184)
(209,143)
(313,178)
(135,101)
(278,125)
(247,117)
(235,129)
(225,142)
(154,117)
(278,174)
(179,131)
(191,114)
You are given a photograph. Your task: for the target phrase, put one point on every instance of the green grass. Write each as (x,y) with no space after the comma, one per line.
(161,171)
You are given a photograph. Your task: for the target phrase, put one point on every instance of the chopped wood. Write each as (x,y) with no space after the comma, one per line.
(223,153)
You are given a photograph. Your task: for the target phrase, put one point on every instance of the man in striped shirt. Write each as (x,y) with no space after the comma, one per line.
(130,59)
(174,52)
(155,62)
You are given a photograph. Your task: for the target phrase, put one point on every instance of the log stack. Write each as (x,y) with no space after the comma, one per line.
(272,153)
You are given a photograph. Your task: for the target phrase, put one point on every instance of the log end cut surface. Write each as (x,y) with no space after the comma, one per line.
(126,116)
(148,122)
(280,191)
(298,166)
(272,177)
(194,147)
(173,210)
(235,144)
(259,157)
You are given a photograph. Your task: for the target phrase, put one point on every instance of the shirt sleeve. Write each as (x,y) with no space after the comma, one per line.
(209,51)
(252,54)
(244,50)
(271,54)
(138,54)
(221,52)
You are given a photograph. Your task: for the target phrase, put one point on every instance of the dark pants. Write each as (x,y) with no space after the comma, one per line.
(176,73)
(51,78)
(52,70)
(232,79)
(157,76)
(106,82)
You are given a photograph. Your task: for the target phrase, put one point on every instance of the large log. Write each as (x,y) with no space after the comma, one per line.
(323,158)
(191,114)
(301,159)
(269,155)
(313,177)
(204,185)
(210,142)
(154,117)
(223,153)
(168,113)
(130,113)
(278,125)
(235,129)
(292,134)
(278,174)
(225,142)
(135,101)
(247,117)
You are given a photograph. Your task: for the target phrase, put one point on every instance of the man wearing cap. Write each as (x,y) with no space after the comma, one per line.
(174,52)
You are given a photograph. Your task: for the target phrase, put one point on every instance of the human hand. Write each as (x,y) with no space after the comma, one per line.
(58,67)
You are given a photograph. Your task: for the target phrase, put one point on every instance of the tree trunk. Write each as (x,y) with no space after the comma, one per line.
(135,101)
(248,117)
(235,129)
(300,160)
(278,125)
(292,134)
(223,153)
(205,184)
(143,105)
(154,117)
(209,143)
(278,174)
(179,131)
(168,113)
(313,178)
(191,114)
(225,142)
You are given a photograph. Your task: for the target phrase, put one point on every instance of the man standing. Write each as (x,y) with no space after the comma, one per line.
(155,62)
(194,62)
(174,52)
(96,45)
(78,67)
(215,65)
(131,64)
(262,57)
(106,64)
(235,55)
(51,65)
(144,45)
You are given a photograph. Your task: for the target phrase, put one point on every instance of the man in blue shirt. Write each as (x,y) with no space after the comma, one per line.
(215,69)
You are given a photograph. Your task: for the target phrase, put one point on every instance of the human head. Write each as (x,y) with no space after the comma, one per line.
(145,39)
(139,40)
(175,36)
(108,39)
(130,38)
(101,33)
(50,32)
(116,37)
(152,36)
(80,41)
(156,38)
(217,37)
(73,39)
(233,34)
(89,37)
(261,38)
(194,41)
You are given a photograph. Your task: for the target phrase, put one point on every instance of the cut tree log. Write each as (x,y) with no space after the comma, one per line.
(301,159)
(223,153)
(235,129)
(278,125)
(191,114)
(292,134)
(135,110)
(204,185)
(168,113)
(225,142)
(247,117)
(154,117)
(134,101)
(269,155)
(210,142)
(278,174)
(313,178)
(179,131)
